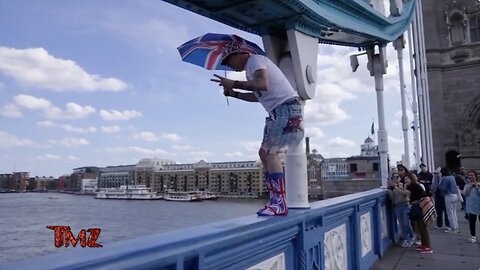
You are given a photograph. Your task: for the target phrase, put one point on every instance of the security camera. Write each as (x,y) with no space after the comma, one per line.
(354,62)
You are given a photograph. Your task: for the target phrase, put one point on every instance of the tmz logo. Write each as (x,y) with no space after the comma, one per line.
(63,236)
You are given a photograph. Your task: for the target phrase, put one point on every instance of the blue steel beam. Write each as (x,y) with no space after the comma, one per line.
(340,22)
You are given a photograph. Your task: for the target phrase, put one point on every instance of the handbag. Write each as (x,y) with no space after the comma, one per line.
(416,212)
(459,195)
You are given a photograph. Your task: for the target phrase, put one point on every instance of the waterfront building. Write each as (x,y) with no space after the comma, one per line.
(75,181)
(241,178)
(63,181)
(89,185)
(314,171)
(452,41)
(335,169)
(43,183)
(5,181)
(368,148)
(144,170)
(17,181)
(115,176)
(365,166)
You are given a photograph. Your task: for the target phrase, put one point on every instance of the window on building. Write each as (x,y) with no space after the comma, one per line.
(456,27)
(353,167)
(474,25)
(375,167)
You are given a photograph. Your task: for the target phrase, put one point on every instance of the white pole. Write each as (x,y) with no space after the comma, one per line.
(377,69)
(296,184)
(429,140)
(416,143)
(418,74)
(399,45)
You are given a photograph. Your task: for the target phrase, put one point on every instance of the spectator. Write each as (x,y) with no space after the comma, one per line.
(399,196)
(439,200)
(416,194)
(472,203)
(425,177)
(449,189)
(461,182)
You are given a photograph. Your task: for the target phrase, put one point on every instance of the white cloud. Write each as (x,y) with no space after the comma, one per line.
(251,146)
(46,123)
(181,147)
(325,108)
(71,142)
(114,115)
(138,150)
(394,140)
(199,155)
(234,154)
(49,157)
(71,157)
(146,136)
(172,137)
(11,111)
(314,132)
(32,103)
(72,110)
(341,142)
(110,129)
(35,67)
(79,129)
(9,141)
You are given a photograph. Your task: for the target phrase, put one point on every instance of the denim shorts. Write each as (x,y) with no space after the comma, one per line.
(283,127)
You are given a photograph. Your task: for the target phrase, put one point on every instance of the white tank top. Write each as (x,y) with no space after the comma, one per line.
(279,88)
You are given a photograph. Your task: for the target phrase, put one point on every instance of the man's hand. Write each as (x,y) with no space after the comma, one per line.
(228,92)
(222,81)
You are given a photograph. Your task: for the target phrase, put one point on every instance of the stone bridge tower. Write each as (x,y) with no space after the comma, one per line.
(452,40)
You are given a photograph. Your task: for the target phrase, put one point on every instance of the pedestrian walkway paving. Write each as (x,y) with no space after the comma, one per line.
(450,251)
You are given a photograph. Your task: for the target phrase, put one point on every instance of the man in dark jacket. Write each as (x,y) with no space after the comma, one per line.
(425,177)
(461,181)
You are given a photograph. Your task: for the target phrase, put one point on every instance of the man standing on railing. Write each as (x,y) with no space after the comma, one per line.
(268,85)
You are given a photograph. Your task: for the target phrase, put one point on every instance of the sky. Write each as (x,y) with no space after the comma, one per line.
(100,83)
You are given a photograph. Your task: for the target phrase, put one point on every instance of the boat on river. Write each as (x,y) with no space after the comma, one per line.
(128,192)
(182,196)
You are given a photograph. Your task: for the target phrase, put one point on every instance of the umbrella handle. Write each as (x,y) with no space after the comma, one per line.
(228,103)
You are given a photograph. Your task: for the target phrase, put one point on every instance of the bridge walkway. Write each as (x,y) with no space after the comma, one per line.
(450,251)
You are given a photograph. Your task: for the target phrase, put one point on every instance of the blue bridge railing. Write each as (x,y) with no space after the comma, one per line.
(348,232)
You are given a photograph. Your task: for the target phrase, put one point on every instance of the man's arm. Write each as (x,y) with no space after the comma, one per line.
(259,82)
(250,97)
(229,92)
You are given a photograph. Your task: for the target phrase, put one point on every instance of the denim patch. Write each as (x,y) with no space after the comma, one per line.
(283,127)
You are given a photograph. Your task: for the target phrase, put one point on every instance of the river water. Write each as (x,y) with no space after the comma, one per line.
(24,217)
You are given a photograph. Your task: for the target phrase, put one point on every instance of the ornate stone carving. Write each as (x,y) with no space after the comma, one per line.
(366,232)
(383,218)
(335,248)
(276,262)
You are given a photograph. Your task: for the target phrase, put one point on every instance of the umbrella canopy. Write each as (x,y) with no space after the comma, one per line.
(206,50)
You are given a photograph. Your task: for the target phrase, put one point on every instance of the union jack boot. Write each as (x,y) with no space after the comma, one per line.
(268,183)
(276,206)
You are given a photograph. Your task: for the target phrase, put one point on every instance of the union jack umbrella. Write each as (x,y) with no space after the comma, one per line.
(205,51)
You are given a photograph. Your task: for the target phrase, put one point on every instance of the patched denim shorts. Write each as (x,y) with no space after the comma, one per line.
(283,127)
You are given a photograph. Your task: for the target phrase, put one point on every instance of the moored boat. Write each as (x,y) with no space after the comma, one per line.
(130,192)
(182,196)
